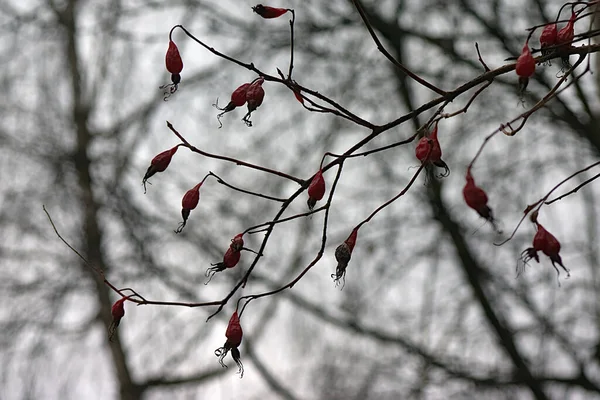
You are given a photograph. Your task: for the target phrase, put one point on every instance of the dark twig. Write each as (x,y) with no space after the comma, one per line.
(387,55)
(230,159)
(573,190)
(264,196)
(291,44)
(538,204)
(291,284)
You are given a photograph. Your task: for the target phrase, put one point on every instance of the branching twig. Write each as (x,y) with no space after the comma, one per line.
(233,160)
(387,55)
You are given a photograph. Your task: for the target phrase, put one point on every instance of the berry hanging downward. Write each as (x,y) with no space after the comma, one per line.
(316,189)
(230,259)
(525,67)
(548,38)
(269,12)
(234,336)
(545,242)
(565,36)
(477,199)
(343,254)
(428,151)
(118,311)
(254,96)
(188,203)
(159,164)
(174,65)
(567,33)
(238,99)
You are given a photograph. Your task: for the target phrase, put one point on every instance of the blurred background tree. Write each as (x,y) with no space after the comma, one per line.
(431,308)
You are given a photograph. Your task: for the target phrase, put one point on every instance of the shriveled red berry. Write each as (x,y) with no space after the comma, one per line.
(254,97)
(230,258)
(269,12)
(428,150)
(159,163)
(316,189)
(343,254)
(547,243)
(234,336)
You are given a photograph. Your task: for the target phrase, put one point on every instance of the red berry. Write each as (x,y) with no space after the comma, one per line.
(159,164)
(566,34)
(238,99)
(299,96)
(231,258)
(237,243)
(548,36)
(477,199)
(173,59)
(525,63)
(254,96)
(234,331)
(428,149)
(351,241)
(545,242)
(234,339)
(117,311)
(269,12)
(316,189)
(188,203)
(540,238)
(191,197)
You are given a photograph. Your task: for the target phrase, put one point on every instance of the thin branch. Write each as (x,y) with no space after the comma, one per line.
(387,55)
(291,44)
(541,201)
(574,190)
(232,160)
(291,284)
(396,197)
(264,196)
